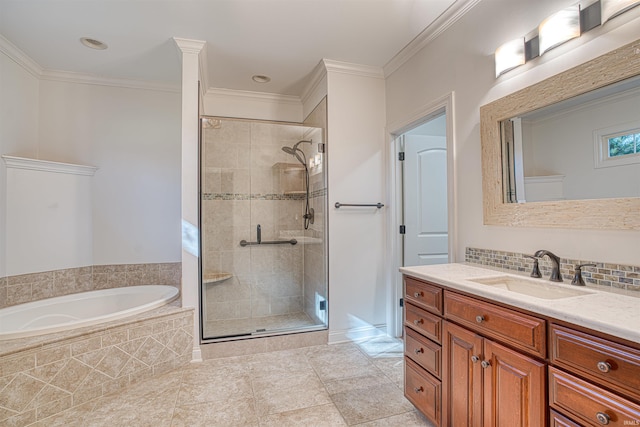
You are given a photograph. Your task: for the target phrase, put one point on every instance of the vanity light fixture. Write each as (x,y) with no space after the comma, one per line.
(612,8)
(559,28)
(510,55)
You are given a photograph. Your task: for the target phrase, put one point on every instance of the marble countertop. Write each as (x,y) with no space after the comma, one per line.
(614,312)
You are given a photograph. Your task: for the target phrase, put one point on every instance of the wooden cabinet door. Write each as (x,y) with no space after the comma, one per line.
(514,388)
(462,377)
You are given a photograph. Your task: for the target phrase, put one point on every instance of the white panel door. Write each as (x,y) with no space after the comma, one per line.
(425,200)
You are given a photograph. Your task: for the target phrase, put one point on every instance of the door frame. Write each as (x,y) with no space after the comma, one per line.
(394,192)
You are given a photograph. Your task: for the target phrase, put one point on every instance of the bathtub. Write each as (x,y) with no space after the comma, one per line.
(82,309)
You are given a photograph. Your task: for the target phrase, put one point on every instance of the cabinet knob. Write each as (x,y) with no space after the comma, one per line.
(604,366)
(603,418)
(418,350)
(417,294)
(418,322)
(418,389)
(479,319)
(475,358)
(485,364)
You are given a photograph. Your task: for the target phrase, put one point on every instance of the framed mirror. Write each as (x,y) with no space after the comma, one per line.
(501,126)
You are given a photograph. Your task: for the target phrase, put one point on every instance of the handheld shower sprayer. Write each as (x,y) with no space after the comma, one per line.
(299,155)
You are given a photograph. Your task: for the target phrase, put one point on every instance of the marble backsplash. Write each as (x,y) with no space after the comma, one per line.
(603,274)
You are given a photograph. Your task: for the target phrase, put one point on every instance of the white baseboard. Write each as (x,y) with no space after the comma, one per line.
(196,354)
(357,334)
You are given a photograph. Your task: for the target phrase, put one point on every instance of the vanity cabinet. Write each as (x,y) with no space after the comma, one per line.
(489,384)
(422,347)
(594,381)
(458,372)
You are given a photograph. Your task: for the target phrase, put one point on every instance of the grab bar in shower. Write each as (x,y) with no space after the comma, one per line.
(378,205)
(268,242)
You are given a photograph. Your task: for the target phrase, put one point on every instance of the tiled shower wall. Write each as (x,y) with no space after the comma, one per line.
(603,274)
(248,180)
(36,286)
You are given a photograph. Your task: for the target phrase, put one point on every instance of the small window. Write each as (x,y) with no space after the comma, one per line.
(617,146)
(623,145)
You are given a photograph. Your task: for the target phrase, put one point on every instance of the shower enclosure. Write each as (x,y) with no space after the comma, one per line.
(263,229)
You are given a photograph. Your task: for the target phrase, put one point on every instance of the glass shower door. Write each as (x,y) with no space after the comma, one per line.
(263,272)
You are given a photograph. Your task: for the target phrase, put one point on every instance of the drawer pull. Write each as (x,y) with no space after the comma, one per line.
(604,366)
(475,358)
(418,322)
(418,389)
(479,319)
(418,294)
(418,350)
(603,418)
(485,364)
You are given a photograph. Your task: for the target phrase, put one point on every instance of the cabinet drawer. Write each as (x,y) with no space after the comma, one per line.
(613,364)
(424,352)
(557,420)
(424,322)
(423,391)
(518,329)
(423,295)
(589,404)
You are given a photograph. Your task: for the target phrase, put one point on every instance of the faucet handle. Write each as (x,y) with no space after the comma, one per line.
(577,278)
(535,272)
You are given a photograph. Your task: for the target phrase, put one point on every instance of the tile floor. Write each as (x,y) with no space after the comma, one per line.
(329,385)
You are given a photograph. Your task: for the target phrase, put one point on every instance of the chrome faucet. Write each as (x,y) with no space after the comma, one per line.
(555,260)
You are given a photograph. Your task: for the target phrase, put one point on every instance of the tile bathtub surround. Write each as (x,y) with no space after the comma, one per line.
(40,382)
(604,274)
(327,385)
(36,286)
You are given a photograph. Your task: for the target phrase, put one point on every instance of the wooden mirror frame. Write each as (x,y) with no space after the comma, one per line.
(615,213)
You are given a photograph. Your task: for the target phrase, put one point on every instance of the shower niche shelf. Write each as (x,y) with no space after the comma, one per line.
(215,277)
(289,178)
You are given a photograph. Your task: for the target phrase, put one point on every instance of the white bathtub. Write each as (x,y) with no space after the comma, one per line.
(82,309)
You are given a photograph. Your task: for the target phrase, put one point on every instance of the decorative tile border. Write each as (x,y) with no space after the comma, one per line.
(42,381)
(36,286)
(258,196)
(604,274)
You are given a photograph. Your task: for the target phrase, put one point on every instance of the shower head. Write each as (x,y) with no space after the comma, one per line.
(289,150)
(296,152)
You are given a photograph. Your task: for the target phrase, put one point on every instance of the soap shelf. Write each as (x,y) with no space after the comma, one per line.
(215,277)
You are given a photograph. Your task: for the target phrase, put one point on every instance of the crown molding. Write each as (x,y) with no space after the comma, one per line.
(255,96)
(22,59)
(48,166)
(355,69)
(449,17)
(81,78)
(189,45)
(317,74)
(19,57)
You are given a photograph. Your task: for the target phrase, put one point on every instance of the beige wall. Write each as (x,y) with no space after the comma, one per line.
(461,60)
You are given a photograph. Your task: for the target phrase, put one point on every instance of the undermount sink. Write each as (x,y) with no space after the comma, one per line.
(534,288)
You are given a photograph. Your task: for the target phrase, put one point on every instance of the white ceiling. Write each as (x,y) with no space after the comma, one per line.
(284,39)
